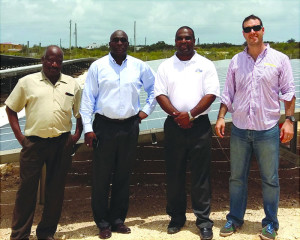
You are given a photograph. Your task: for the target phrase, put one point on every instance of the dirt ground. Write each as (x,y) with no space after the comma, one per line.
(147,218)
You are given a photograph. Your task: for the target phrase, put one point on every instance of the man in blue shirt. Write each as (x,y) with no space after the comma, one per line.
(111,92)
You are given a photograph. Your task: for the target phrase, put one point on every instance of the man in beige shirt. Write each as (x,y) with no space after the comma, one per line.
(49,97)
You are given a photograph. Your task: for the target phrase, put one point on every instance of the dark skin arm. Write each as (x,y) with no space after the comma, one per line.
(78,130)
(15,126)
(14,123)
(182,118)
(202,105)
(167,106)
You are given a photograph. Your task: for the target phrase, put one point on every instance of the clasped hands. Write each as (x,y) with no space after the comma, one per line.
(182,119)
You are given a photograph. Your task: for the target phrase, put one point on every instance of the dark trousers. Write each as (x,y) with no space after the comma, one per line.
(56,154)
(114,155)
(181,146)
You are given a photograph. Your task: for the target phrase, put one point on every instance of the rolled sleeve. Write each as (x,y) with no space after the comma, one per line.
(286,81)
(229,89)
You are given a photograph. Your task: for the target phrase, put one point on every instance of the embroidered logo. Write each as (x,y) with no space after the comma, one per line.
(198,70)
(269,64)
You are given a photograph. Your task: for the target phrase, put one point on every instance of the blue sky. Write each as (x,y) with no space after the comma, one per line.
(47,21)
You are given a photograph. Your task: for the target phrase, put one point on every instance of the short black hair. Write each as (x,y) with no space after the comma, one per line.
(252,16)
(185,27)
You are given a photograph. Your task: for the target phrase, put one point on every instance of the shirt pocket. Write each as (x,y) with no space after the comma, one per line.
(65,101)
(270,75)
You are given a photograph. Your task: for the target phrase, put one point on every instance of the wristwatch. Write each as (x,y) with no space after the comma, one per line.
(291,118)
(190,116)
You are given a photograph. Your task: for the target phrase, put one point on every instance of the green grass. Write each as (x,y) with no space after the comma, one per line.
(211,51)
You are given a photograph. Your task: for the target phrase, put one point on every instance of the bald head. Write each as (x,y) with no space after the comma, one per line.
(118,33)
(53,49)
(52,62)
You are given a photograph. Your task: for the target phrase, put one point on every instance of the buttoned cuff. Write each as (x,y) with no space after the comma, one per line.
(88,128)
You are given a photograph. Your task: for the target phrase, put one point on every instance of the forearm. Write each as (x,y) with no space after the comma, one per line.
(166,105)
(223,110)
(14,123)
(290,107)
(79,127)
(203,104)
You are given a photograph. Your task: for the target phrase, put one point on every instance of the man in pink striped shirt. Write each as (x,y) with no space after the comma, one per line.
(257,79)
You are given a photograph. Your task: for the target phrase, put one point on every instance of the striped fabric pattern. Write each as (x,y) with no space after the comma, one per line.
(253,89)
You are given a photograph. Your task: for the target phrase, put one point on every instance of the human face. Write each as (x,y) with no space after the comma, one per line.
(52,63)
(118,44)
(184,43)
(253,38)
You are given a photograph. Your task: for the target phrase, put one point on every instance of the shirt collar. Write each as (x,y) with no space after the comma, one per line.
(263,53)
(45,78)
(193,59)
(113,60)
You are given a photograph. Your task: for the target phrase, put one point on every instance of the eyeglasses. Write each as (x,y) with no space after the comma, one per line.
(255,28)
(116,40)
(187,38)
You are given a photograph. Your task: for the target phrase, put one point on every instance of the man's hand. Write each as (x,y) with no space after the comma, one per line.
(287,131)
(20,138)
(142,116)
(183,120)
(75,138)
(88,139)
(220,127)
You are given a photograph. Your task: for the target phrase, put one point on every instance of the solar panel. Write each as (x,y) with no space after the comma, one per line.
(155,121)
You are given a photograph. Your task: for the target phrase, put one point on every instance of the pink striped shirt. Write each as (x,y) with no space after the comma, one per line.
(253,89)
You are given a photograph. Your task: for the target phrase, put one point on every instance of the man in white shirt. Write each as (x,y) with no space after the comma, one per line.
(185,87)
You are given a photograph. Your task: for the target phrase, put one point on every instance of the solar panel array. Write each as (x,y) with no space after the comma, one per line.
(155,121)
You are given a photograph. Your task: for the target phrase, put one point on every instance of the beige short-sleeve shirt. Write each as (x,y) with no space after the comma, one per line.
(48,107)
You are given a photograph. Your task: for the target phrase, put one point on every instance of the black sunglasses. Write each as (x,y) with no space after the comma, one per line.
(255,28)
(116,40)
(187,38)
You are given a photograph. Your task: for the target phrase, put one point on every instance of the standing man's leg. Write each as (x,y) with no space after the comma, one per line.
(266,147)
(31,163)
(240,159)
(200,160)
(58,151)
(175,155)
(103,162)
(126,155)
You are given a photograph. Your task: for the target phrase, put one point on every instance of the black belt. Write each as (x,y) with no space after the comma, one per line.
(36,138)
(99,116)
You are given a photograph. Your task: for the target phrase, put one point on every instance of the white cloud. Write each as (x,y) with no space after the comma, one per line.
(157,20)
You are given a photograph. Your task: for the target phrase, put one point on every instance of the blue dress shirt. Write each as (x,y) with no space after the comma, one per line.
(113,90)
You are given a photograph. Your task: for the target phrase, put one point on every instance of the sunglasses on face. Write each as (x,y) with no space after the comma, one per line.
(187,38)
(255,28)
(116,40)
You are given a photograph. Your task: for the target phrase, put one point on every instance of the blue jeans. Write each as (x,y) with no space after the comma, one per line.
(265,146)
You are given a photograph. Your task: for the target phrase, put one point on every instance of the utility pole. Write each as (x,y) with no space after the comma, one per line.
(60,42)
(75,35)
(27,48)
(134,48)
(145,41)
(70,35)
